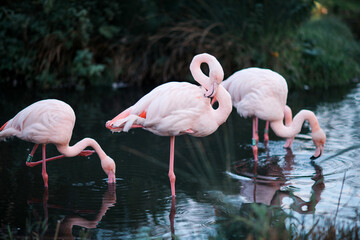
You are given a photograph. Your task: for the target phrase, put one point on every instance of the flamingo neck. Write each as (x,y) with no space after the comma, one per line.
(216,72)
(225,105)
(71,151)
(295,127)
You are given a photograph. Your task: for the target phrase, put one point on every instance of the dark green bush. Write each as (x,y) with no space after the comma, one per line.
(324,54)
(68,43)
(52,44)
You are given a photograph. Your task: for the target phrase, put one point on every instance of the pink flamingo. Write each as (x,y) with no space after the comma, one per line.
(176,108)
(52,121)
(262,93)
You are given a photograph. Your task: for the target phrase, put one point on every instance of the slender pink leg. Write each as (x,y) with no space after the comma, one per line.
(84,153)
(31,155)
(257,129)
(266,134)
(33,164)
(171,166)
(255,139)
(44,174)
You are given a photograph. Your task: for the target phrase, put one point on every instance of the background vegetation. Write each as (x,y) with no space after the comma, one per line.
(52,44)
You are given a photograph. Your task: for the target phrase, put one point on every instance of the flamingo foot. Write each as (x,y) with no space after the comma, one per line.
(33,164)
(86,153)
(3,126)
(29,162)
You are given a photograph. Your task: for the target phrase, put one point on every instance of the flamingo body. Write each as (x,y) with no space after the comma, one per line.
(258,92)
(177,108)
(173,109)
(43,122)
(52,121)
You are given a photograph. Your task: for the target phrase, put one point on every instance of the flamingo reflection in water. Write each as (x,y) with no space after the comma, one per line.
(64,229)
(264,184)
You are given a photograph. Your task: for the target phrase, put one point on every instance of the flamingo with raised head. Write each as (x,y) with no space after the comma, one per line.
(262,93)
(177,108)
(52,121)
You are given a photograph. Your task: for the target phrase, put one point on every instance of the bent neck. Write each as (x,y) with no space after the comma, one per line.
(216,72)
(225,105)
(71,151)
(295,127)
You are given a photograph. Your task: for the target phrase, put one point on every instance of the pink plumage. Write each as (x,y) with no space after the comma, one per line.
(173,109)
(43,122)
(258,92)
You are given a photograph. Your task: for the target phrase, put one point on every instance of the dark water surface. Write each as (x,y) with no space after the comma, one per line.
(215,174)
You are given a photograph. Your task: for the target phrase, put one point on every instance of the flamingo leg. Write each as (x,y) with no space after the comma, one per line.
(266,134)
(44,173)
(31,155)
(84,153)
(257,130)
(255,138)
(171,166)
(172,217)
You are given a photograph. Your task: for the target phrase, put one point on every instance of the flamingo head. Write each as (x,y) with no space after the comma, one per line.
(319,139)
(109,167)
(211,91)
(216,77)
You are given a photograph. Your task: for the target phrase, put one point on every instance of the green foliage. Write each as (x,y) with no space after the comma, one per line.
(84,69)
(48,49)
(52,44)
(324,55)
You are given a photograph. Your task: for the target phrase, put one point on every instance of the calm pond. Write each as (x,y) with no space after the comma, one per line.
(215,175)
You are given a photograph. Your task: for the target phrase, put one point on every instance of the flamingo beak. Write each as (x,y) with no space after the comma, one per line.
(318,152)
(111,177)
(211,91)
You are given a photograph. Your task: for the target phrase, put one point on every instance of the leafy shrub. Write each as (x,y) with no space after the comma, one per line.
(51,44)
(324,54)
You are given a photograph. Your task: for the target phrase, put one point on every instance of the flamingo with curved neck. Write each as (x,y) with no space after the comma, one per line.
(177,108)
(52,121)
(262,94)
(317,134)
